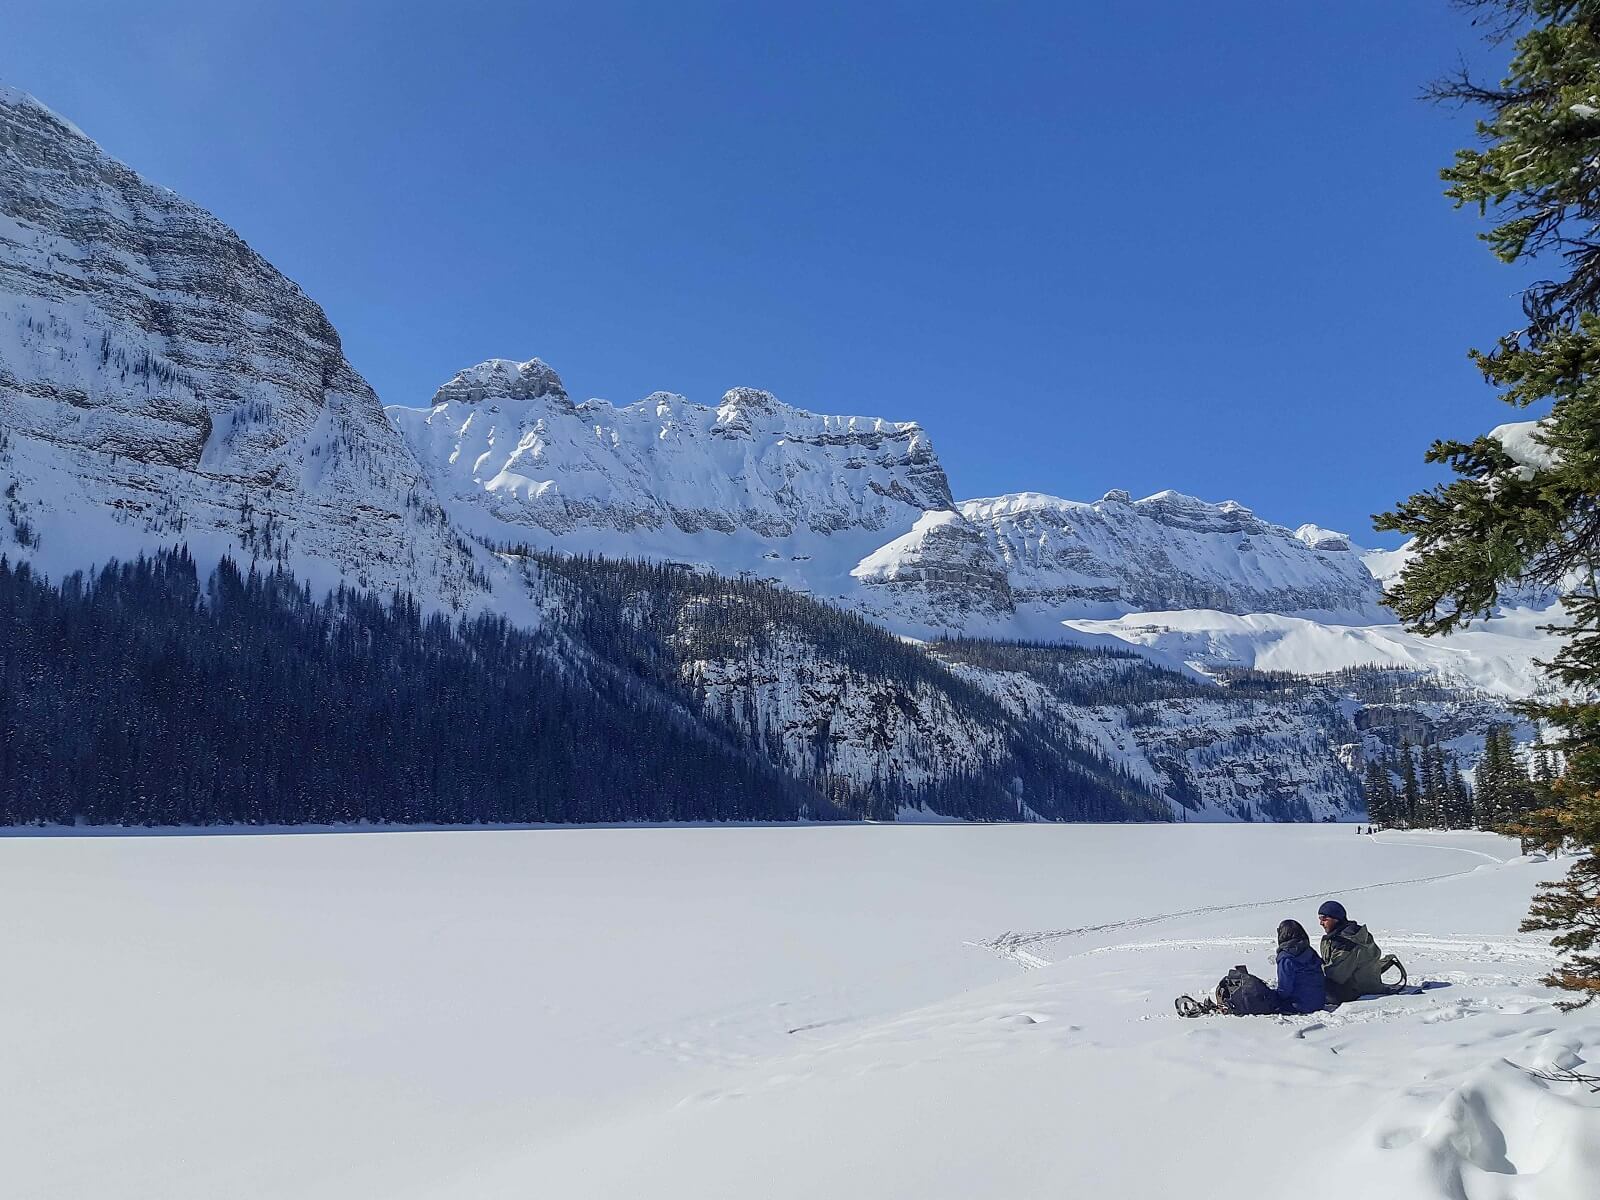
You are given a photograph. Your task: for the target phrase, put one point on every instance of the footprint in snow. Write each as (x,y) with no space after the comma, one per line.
(1021,1020)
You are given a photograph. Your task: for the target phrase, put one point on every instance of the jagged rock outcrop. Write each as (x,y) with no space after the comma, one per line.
(1328,541)
(503,378)
(942,566)
(160,381)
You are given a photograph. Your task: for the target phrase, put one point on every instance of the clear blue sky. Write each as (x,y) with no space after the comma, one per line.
(1088,246)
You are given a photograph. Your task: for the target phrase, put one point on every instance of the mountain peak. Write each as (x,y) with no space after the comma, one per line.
(12,97)
(503,378)
(751,400)
(1171,498)
(1322,539)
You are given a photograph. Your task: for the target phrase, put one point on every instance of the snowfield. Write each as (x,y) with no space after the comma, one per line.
(879,1011)
(1500,656)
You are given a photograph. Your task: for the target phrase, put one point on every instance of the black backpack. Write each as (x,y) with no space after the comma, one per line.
(1242,994)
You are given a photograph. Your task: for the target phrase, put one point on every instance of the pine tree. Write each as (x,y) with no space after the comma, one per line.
(1431,811)
(1526,508)
(1487,779)
(1378,787)
(1458,803)
(1518,790)
(1410,799)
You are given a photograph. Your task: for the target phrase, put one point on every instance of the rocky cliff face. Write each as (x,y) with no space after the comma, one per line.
(160,381)
(1215,753)
(1117,555)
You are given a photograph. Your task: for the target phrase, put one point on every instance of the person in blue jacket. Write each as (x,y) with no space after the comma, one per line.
(1300,987)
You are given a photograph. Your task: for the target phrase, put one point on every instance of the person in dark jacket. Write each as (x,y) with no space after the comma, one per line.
(1351,961)
(1300,987)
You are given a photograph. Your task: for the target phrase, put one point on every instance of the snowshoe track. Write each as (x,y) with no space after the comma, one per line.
(1017,946)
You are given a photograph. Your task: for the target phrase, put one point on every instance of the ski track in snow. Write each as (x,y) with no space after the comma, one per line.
(1010,945)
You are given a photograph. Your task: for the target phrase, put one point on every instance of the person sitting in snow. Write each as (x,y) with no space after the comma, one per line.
(1300,987)
(1352,963)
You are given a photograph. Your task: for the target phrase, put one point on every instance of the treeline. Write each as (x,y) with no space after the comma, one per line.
(146,695)
(142,696)
(1368,684)
(1423,787)
(655,619)
(1082,676)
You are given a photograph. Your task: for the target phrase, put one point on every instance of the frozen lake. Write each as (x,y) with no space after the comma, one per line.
(761,1012)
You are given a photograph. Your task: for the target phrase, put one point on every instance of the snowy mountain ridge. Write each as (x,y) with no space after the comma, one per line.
(1067,558)
(749,485)
(855,509)
(858,511)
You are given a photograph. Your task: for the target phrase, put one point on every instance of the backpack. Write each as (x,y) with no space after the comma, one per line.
(1390,963)
(1242,994)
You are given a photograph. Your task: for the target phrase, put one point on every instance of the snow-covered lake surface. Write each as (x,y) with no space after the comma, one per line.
(770,1012)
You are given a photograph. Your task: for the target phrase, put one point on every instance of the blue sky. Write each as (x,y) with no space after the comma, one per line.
(1086,245)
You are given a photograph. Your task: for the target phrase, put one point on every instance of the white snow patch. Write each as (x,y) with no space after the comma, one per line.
(1499,656)
(1521,442)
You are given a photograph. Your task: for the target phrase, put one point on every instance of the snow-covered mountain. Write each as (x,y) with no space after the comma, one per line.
(856,509)
(1498,657)
(749,485)
(161,382)
(1116,555)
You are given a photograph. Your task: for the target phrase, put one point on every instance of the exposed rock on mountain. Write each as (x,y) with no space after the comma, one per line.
(752,485)
(943,566)
(516,457)
(1326,540)
(1167,551)
(160,381)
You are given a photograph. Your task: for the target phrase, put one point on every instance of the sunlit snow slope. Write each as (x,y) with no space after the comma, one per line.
(1498,656)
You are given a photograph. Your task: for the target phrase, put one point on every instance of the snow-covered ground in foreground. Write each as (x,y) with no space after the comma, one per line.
(770,1012)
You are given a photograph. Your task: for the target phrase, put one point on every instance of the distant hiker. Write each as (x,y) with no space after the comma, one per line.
(1301,988)
(1352,963)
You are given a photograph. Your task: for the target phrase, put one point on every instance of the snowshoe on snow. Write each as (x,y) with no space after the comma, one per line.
(1188,1006)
